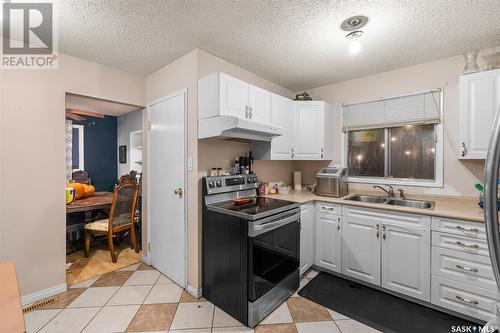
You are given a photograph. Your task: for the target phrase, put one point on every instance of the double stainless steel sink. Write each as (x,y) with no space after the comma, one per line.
(392,201)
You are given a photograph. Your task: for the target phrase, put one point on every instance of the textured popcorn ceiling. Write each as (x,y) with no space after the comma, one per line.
(297,44)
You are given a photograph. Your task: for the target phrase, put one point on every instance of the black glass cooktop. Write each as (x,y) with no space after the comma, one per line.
(257,206)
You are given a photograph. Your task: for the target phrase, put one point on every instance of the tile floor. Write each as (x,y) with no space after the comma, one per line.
(138,298)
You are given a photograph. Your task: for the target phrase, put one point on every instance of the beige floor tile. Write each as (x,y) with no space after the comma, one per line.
(195,330)
(193,315)
(70,320)
(112,319)
(84,284)
(317,327)
(143,278)
(164,293)
(129,295)
(153,317)
(113,279)
(336,315)
(94,297)
(281,315)
(188,298)
(276,328)
(312,273)
(222,319)
(302,284)
(353,326)
(129,268)
(64,299)
(239,329)
(145,267)
(303,310)
(35,320)
(164,280)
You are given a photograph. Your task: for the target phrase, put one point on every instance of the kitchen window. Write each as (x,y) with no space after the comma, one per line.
(395,141)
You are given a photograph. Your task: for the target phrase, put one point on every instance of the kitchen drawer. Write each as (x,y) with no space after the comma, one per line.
(460,243)
(460,297)
(387,217)
(459,227)
(328,208)
(463,267)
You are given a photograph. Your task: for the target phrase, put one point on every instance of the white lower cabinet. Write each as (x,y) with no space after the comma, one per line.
(464,298)
(307,221)
(328,241)
(406,260)
(361,249)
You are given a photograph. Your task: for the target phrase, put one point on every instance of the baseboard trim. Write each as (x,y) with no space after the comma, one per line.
(194,291)
(145,259)
(42,294)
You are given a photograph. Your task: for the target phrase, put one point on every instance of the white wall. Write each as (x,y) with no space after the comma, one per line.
(32,155)
(459,176)
(129,122)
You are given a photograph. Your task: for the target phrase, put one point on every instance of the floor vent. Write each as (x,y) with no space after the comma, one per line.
(38,305)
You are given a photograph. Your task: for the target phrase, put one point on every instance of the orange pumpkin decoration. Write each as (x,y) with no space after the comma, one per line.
(89,190)
(79,190)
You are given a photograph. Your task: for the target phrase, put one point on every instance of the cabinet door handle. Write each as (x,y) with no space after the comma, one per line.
(466,300)
(328,208)
(468,269)
(472,246)
(293,154)
(322,152)
(464,149)
(251,112)
(246,111)
(378,231)
(383,231)
(467,229)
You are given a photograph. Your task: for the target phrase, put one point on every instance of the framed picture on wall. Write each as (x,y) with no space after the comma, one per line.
(122,154)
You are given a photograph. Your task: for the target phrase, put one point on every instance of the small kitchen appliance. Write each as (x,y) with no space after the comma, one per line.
(332,181)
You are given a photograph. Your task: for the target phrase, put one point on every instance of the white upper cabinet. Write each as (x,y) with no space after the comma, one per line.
(259,103)
(233,96)
(479,100)
(222,95)
(308,131)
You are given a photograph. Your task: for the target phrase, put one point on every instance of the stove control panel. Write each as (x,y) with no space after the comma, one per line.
(230,183)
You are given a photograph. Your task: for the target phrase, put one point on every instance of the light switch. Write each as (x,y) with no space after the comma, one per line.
(190,164)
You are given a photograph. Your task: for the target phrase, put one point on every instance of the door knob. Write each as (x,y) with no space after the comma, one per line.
(178,191)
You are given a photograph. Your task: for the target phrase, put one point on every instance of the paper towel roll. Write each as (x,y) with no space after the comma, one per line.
(297,180)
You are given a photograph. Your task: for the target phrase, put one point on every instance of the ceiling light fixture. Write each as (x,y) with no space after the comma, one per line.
(353,24)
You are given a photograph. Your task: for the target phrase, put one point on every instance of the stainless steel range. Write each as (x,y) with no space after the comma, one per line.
(250,248)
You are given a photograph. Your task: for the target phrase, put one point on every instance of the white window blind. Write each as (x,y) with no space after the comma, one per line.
(392,112)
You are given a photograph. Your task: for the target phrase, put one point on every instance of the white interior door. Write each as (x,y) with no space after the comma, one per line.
(167,175)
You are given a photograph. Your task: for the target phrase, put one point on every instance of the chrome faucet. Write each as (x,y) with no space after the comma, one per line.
(401,194)
(390,192)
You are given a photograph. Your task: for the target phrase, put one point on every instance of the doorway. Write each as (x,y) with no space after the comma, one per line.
(166,186)
(103,143)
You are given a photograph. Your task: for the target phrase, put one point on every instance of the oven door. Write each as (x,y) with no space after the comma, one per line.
(273,251)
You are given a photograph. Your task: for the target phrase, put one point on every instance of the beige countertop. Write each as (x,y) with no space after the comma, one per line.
(463,208)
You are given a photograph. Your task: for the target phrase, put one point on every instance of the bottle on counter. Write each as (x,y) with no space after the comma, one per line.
(242,165)
(245,165)
(236,166)
(250,163)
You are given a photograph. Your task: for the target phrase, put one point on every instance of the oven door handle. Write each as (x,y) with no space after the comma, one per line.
(273,224)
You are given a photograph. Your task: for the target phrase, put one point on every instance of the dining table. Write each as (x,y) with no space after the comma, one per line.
(100,200)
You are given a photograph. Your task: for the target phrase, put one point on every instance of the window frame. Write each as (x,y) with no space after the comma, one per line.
(439,163)
(81,146)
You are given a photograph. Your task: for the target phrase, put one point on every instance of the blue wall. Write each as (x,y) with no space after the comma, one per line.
(100,151)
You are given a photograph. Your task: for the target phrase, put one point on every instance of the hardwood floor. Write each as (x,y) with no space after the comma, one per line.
(99,262)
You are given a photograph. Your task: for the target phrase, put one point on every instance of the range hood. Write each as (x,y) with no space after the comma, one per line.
(233,128)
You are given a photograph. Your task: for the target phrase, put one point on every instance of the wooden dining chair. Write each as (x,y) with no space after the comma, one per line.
(121,219)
